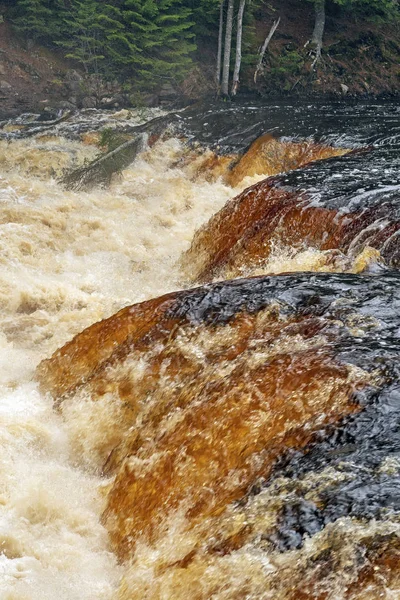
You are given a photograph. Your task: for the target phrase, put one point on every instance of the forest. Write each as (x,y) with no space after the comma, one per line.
(143,43)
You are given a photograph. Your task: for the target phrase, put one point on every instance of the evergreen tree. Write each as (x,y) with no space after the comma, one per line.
(205,16)
(161,38)
(95,34)
(35,19)
(387,9)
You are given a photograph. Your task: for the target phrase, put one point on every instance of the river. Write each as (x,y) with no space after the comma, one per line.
(314,512)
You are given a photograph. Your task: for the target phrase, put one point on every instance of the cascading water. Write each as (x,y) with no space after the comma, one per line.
(236,440)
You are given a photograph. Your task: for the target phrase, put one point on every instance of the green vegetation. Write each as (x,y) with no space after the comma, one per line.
(145,40)
(146,43)
(36,19)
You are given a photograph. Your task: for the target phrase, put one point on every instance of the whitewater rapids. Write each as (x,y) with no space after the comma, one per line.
(68,260)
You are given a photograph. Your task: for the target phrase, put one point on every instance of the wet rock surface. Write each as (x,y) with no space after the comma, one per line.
(336,204)
(244,434)
(256,372)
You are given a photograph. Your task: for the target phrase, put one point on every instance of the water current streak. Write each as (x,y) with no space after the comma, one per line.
(235,440)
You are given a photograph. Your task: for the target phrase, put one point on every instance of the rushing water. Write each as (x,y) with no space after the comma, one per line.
(309,521)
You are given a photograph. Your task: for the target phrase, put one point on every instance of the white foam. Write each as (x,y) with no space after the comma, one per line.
(66,261)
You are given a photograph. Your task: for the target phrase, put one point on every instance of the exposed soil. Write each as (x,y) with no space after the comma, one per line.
(29,79)
(360,56)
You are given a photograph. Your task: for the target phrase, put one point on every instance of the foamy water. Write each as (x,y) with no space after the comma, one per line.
(67,260)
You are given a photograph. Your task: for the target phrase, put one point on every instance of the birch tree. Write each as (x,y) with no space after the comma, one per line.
(238,59)
(220,34)
(318,33)
(227,50)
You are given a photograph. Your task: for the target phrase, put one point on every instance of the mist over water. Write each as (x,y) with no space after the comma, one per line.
(69,259)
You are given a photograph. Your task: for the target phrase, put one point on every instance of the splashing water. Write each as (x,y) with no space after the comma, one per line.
(70,259)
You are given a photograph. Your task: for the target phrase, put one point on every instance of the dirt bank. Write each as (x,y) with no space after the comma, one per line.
(360,56)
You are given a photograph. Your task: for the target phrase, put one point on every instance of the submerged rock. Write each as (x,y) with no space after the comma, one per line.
(241,237)
(269,156)
(214,384)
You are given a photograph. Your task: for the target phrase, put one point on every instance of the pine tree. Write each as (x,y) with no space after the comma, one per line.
(205,16)
(95,34)
(161,39)
(387,9)
(35,19)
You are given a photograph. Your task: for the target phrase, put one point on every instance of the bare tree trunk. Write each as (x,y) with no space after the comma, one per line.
(227,50)
(264,47)
(219,53)
(238,60)
(319,28)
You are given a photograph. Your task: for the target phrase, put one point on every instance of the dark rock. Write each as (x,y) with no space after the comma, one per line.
(109,102)
(67,105)
(167,94)
(5,86)
(89,102)
(150,100)
(50,113)
(74,81)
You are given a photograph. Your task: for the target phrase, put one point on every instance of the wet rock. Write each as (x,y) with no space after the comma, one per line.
(66,105)
(109,102)
(74,81)
(198,370)
(299,518)
(269,156)
(241,237)
(150,100)
(89,102)
(49,113)
(167,93)
(5,86)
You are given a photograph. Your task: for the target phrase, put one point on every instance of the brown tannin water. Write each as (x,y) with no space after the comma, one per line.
(236,439)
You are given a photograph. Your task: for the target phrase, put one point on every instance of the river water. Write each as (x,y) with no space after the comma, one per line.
(312,522)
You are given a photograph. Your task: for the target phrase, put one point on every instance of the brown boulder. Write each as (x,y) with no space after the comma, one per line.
(215,384)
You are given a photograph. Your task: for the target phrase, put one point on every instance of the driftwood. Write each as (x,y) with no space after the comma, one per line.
(264,48)
(100,170)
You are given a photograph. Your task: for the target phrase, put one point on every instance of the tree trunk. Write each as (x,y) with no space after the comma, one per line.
(264,47)
(238,60)
(219,52)
(227,50)
(319,28)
